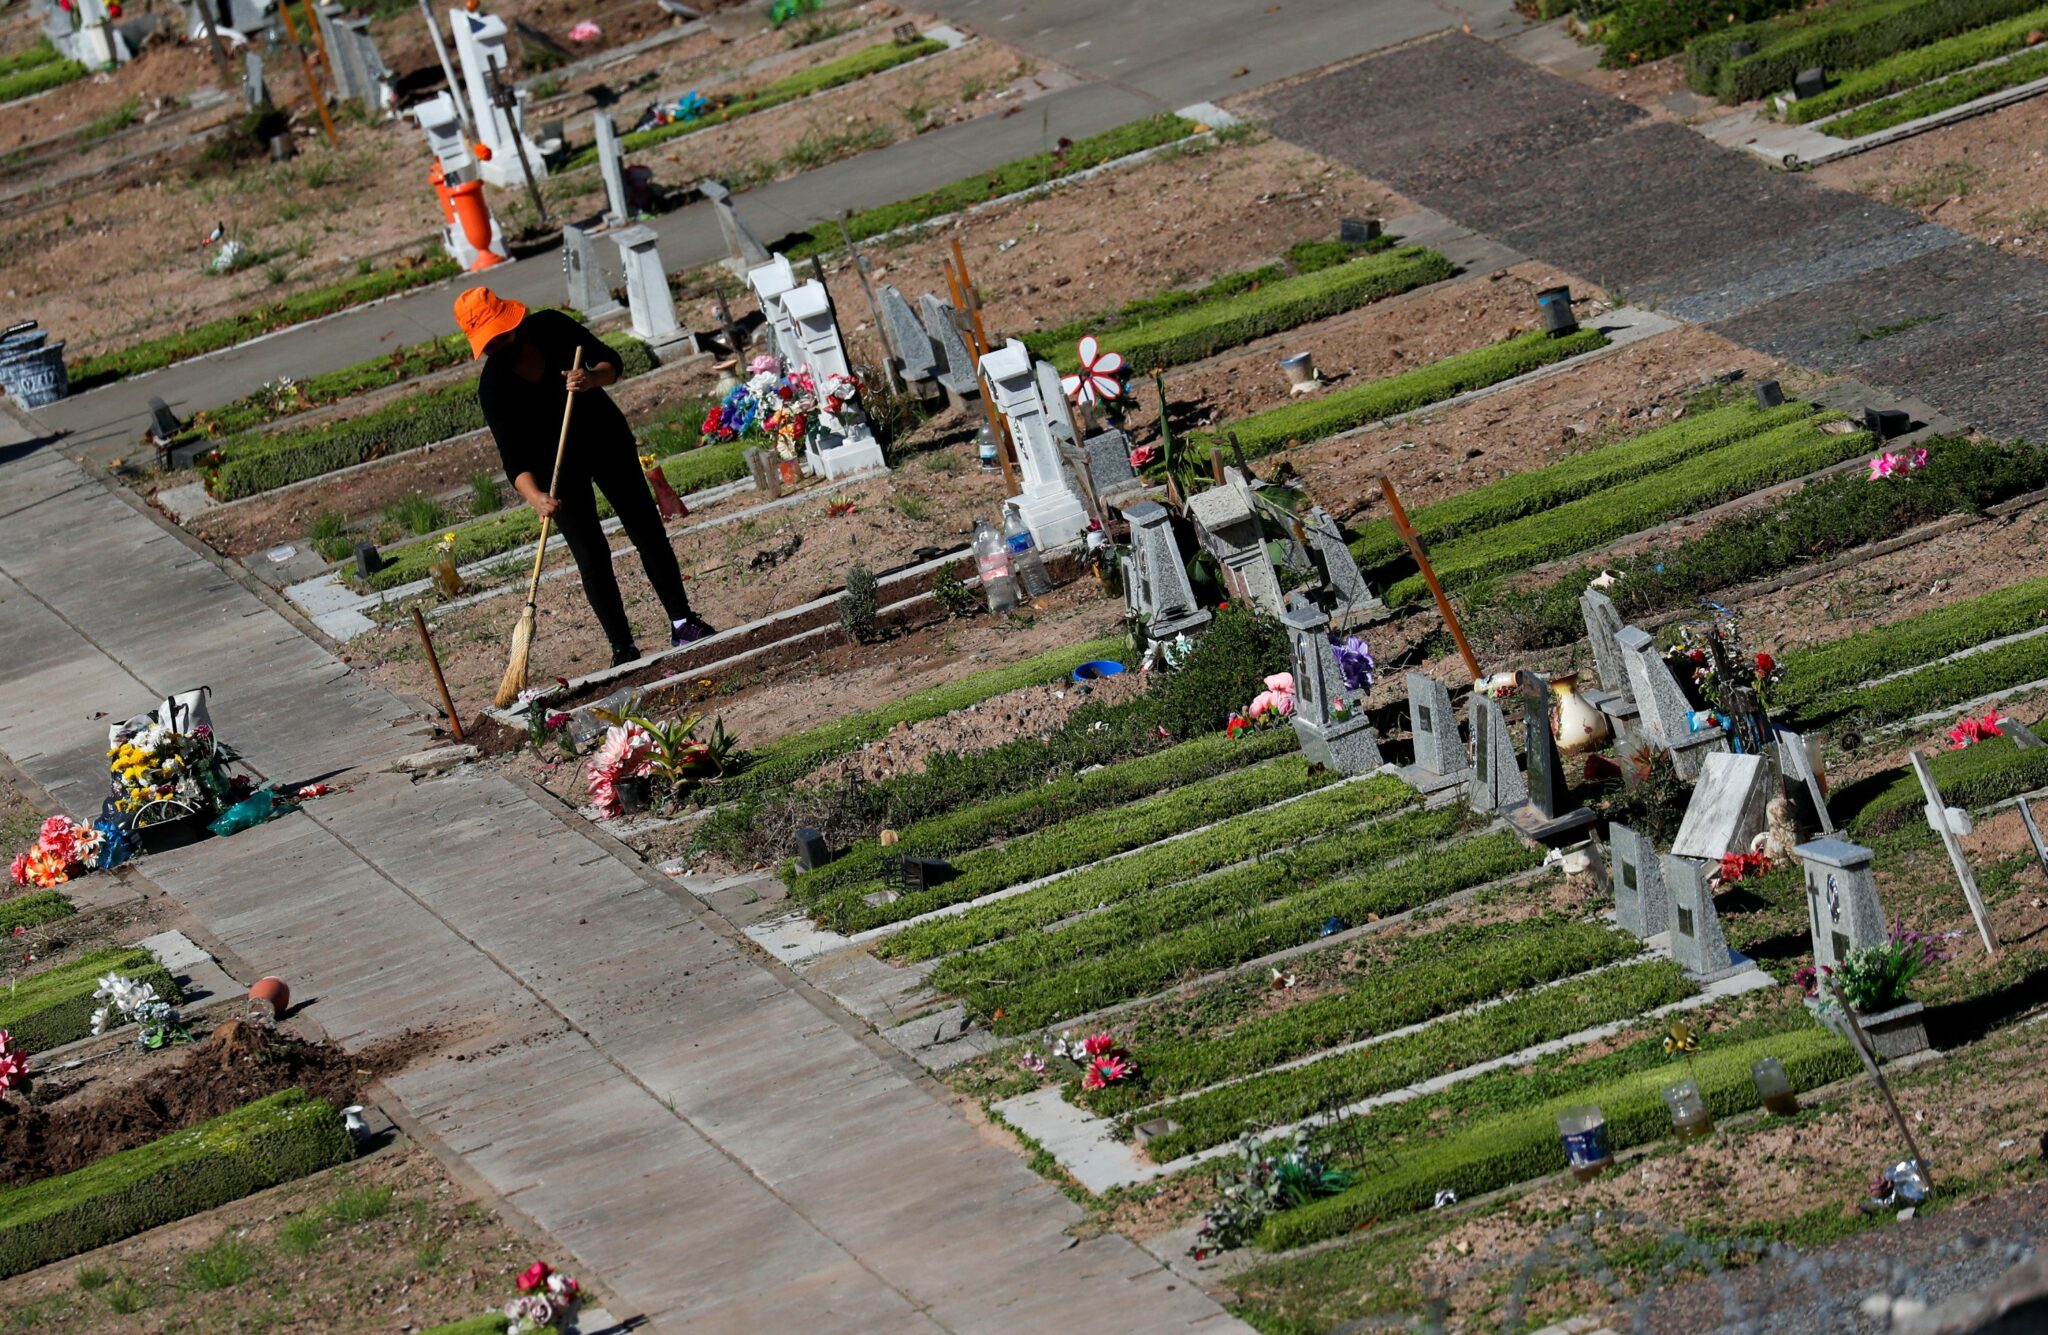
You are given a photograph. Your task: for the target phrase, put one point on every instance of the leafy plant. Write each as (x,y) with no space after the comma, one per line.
(1650,797)
(1908,69)
(1838,37)
(952,593)
(858,606)
(1874,979)
(1930,98)
(416,513)
(222,1264)
(485,495)
(1264,1178)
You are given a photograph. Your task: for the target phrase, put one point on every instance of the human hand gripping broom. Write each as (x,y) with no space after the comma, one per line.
(514,681)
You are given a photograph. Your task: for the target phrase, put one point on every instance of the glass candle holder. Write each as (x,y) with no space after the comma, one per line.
(1773,1086)
(1691,1119)
(1585,1141)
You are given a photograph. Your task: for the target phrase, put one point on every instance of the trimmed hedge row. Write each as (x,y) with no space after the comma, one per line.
(39,77)
(846,69)
(1426,976)
(262,463)
(256,410)
(1941,686)
(1845,36)
(42,53)
(1525,494)
(1935,97)
(33,910)
(1516,1147)
(1175,904)
(1813,676)
(275,1139)
(52,1008)
(216,334)
(1639,30)
(1008,179)
(1280,1097)
(861,867)
(1312,419)
(490,1323)
(1205,330)
(1909,69)
(1089,838)
(1722,475)
(1822,520)
(1252,834)
(1973,777)
(519,525)
(1148,965)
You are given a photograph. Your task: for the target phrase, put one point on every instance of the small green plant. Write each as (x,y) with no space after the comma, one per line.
(114,122)
(953,595)
(359,1205)
(1875,978)
(818,30)
(912,508)
(816,150)
(1649,798)
(1871,335)
(329,534)
(277,273)
(319,172)
(224,1263)
(93,1278)
(1265,1178)
(431,1254)
(124,1297)
(416,513)
(542,89)
(301,1235)
(485,496)
(859,606)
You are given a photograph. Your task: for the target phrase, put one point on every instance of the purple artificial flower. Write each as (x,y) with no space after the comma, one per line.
(1355,661)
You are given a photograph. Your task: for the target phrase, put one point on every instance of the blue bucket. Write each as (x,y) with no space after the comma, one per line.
(1098,669)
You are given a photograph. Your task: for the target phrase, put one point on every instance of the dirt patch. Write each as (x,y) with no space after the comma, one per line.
(77,1119)
(1984,176)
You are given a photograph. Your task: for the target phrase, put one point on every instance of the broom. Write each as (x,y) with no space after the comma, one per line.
(522,634)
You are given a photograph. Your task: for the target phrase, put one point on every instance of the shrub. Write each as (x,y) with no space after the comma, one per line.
(858,605)
(953,594)
(1515,1147)
(1938,686)
(1311,420)
(416,513)
(272,402)
(1007,179)
(1700,483)
(1909,69)
(52,1008)
(1208,328)
(1639,30)
(1934,97)
(1834,37)
(41,53)
(259,1145)
(33,910)
(29,80)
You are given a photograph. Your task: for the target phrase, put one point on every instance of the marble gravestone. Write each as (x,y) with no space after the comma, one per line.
(1642,903)
(1664,707)
(611,164)
(1047,505)
(907,335)
(254,91)
(647,294)
(1228,525)
(1107,455)
(1727,810)
(853,448)
(1440,760)
(588,290)
(956,370)
(1497,781)
(1339,569)
(1156,587)
(1615,697)
(1696,940)
(1551,812)
(479,47)
(742,250)
(772,282)
(1331,732)
(1842,909)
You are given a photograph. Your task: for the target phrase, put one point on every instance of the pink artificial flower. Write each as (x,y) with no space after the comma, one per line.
(1887,465)
(1974,730)
(1032,1062)
(1095,1045)
(1107,1070)
(1144,455)
(1277,699)
(764,365)
(1919,459)
(585,31)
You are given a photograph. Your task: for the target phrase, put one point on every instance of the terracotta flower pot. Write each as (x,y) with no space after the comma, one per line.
(274,991)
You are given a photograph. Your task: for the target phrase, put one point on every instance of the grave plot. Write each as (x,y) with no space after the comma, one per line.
(1975,176)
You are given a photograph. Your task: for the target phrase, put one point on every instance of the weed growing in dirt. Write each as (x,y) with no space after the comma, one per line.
(912,508)
(417,513)
(125,1297)
(93,1277)
(431,1255)
(1950,180)
(1887,330)
(546,88)
(484,493)
(810,34)
(225,1262)
(815,149)
(360,1204)
(942,463)
(952,593)
(114,122)
(301,1235)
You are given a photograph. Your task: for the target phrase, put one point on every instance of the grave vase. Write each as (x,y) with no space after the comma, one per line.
(1691,1119)
(1895,1033)
(1578,726)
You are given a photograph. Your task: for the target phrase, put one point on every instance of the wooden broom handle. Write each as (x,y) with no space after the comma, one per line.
(554,481)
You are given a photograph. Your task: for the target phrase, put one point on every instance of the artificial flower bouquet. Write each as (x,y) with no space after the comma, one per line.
(63,849)
(547,1299)
(788,407)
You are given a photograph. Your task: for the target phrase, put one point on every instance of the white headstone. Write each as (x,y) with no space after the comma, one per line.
(821,351)
(588,290)
(1727,810)
(612,166)
(1047,504)
(442,121)
(771,283)
(479,46)
(647,294)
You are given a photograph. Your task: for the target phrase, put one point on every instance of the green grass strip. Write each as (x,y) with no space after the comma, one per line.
(42,53)
(216,334)
(1326,415)
(1972,777)
(1700,483)
(1524,494)
(862,866)
(1089,838)
(1277,1098)
(1814,675)
(256,463)
(1191,334)
(52,1008)
(1174,903)
(1516,1147)
(1935,97)
(258,1145)
(1942,686)
(33,910)
(1008,179)
(1146,966)
(787,759)
(1909,69)
(1428,975)
(1248,835)
(1853,35)
(256,410)
(847,69)
(39,78)
(490,1323)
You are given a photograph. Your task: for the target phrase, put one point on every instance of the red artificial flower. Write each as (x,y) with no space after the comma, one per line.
(1696,655)
(1236,725)
(1765,665)
(535,1277)
(1107,1070)
(1097,1044)
(1741,866)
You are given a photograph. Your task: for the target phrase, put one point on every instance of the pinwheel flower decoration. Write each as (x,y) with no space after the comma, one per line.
(1097,380)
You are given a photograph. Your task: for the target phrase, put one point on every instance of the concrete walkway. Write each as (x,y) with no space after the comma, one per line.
(709,1144)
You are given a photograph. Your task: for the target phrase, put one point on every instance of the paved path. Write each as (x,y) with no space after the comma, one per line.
(714,1148)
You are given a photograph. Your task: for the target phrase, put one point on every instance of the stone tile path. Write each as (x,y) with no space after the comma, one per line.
(715,1148)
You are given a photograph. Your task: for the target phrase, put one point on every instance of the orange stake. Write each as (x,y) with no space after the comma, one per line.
(313,84)
(1443,604)
(998,427)
(320,44)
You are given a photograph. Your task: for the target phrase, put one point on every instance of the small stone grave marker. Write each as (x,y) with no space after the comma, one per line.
(1228,526)
(1797,763)
(1550,812)
(1603,629)
(588,291)
(1107,455)
(647,294)
(1696,940)
(955,368)
(1440,759)
(1156,588)
(1345,744)
(743,251)
(1727,810)
(1325,538)
(1497,781)
(907,335)
(1642,903)
(1663,706)
(1842,908)
(1358,231)
(611,166)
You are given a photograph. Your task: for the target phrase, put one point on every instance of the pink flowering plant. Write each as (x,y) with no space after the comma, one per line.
(1270,707)
(1874,978)
(13,1066)
(1097,1059)
(1888,465)
(547,1300)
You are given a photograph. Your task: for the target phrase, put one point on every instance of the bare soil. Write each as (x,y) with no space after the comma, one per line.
(1985,176)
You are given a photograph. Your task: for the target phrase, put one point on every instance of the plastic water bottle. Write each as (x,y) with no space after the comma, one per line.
(992,559)
(985,448)
(1025,565)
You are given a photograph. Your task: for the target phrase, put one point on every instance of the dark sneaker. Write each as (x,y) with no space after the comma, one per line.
(690,630)
(623,654)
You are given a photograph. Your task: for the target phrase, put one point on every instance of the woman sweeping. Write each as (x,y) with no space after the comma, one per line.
(529,372)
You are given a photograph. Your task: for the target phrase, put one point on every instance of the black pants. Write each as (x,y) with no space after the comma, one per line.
(616,472)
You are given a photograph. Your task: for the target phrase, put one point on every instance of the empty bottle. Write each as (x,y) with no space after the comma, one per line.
(985,448)
(992,559)
(1025,565)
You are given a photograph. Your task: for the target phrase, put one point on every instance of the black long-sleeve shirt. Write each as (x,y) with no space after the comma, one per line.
(526,416)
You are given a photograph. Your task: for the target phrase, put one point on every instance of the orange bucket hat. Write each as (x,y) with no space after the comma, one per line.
(483,315)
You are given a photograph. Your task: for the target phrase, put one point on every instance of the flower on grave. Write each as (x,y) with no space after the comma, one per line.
(586,31)
(1099,379)
(1681,1038)
(556,722)
(130,1001)
(1031,1061)
(764,364)
(1354,661)
(1283,982)
(13,1064)
(1098,1045)
(1274,703)
(1107,1070)
(1237,724)
(1888,464)
(627,752)
(1743,866)
(1970,730)
(535,1277)
(1143,455)
(39,869)
(1765,665)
